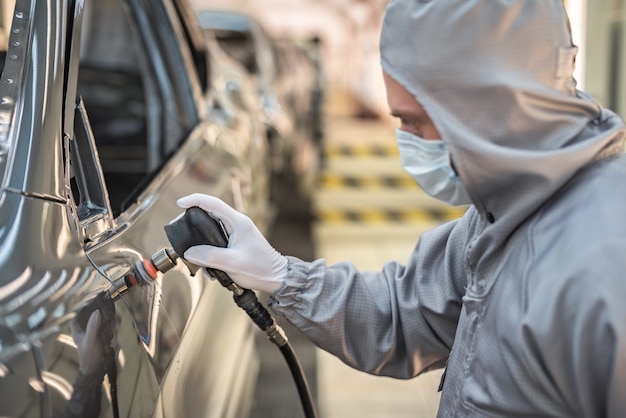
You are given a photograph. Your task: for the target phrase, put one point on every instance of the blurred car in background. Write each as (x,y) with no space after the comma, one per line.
(300,69)
(110,110)
(287,81)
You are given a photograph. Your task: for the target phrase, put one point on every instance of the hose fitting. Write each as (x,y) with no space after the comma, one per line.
(144,272)
(164,260)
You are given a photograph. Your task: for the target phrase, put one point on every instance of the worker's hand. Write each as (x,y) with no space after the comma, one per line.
(249,259)
(89,348)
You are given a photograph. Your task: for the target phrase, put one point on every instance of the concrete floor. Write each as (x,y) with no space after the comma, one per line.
(366,209)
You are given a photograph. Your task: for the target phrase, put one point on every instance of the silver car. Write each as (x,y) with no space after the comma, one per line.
(281,82)
(109,111)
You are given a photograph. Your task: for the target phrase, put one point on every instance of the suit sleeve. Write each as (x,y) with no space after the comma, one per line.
(397,322)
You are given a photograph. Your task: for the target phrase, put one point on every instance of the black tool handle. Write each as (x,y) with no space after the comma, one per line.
(197,227)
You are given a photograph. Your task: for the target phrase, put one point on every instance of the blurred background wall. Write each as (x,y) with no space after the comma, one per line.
(599,28)
(349,30)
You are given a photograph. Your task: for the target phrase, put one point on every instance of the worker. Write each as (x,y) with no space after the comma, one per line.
(522,299)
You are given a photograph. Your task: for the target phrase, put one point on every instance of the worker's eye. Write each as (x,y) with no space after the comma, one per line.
(411,125)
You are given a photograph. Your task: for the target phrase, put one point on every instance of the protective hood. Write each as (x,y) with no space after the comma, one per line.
(496,78)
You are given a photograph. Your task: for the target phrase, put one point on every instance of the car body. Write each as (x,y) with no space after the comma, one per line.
(110,110)
(275,68)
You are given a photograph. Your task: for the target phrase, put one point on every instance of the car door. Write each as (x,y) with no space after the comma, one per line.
(196,155)
(102,129)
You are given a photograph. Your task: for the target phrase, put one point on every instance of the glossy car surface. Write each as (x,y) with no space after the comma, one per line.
(109,111)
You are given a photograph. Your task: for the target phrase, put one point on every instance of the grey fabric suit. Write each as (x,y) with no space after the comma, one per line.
(524,297)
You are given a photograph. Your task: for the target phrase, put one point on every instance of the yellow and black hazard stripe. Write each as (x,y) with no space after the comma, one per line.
(332,181)
(373,216)
(381,151)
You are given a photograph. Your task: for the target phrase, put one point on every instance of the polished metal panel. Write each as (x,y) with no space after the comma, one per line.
(37,147)
(12,75)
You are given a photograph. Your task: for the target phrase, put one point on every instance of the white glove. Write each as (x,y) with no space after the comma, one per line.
(249,259)
(88,345)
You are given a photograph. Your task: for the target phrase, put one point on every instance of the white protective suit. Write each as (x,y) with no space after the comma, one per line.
(524,297)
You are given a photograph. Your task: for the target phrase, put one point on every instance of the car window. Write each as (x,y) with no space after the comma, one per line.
(114,84)
(240,46)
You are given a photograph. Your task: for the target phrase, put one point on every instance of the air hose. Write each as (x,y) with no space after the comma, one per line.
(197,227)
(299,379)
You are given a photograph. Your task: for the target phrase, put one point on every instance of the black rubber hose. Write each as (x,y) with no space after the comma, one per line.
(298,377)
(249,302)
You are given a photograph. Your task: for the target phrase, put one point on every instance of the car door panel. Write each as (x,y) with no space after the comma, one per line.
(199,165)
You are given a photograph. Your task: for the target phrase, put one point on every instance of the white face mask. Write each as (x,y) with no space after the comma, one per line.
(428,162)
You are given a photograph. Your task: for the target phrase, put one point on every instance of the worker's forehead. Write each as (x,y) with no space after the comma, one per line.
(400,100)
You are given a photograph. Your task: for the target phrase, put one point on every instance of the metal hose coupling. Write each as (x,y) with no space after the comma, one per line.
(164,260)
(146,271)
(276,335)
